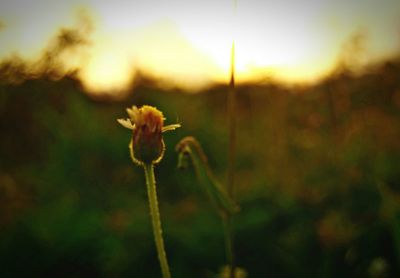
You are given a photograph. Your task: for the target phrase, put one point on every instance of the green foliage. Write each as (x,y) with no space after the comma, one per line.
(317,181)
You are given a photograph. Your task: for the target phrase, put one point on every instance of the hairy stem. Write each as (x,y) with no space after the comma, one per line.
(155,218)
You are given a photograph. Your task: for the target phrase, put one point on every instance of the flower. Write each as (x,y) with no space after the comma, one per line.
(147,125)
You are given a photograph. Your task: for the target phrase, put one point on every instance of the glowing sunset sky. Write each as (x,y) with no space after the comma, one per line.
(188,42)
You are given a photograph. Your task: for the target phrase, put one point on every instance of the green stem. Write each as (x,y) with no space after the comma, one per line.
(226,221)
(232,126)
(231,161)
(155,217)
(189,147)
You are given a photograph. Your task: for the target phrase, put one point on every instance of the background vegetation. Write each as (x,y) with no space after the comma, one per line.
(318,179)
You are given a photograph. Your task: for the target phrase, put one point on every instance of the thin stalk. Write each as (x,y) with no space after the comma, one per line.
(155,218)
(232,125)
(229,236)
(226,221)
(231,162)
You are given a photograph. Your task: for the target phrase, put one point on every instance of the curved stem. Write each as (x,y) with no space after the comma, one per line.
(189,147)
(155,218)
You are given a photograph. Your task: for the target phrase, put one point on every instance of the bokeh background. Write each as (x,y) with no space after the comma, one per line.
(317,172)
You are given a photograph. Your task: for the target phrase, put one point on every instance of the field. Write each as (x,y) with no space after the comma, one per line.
(317,179)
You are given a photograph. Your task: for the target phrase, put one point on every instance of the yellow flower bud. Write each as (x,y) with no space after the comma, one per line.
(147,124)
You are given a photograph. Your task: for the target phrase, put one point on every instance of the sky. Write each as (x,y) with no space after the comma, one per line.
(188,43)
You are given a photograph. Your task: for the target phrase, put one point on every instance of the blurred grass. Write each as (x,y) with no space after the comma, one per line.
(318,181)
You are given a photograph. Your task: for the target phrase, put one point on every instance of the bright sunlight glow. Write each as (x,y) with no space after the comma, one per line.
(187,43)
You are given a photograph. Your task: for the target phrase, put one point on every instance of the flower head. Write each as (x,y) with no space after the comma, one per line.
(147,125)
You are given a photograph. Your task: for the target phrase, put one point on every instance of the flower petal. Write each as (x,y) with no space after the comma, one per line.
(132,112)
(170,127)
(126,123)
